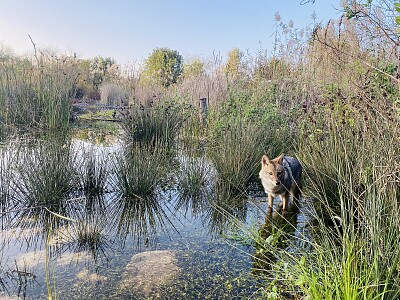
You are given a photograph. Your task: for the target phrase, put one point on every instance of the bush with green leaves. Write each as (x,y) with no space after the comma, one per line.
(163,67)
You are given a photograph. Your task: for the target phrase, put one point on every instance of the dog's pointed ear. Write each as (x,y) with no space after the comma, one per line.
(279,159)
(265,160)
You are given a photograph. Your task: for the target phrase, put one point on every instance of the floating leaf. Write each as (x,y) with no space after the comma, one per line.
(397,6)
(59,216)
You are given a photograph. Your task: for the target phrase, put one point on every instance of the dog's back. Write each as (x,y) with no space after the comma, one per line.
(293,172)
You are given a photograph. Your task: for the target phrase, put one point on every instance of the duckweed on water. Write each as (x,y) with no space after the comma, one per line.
(214,272)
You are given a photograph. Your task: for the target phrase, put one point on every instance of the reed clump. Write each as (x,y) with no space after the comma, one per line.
(139,171)
(46,174)
(238,132)
(154,125)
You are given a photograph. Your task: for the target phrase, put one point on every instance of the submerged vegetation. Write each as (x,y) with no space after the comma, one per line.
(329,96)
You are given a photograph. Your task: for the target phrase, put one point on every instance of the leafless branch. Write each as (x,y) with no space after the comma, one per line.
(34,48)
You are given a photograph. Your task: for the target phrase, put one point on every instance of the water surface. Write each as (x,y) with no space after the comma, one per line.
(71,244)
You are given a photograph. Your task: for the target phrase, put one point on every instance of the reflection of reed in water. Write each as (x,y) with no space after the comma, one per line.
(8,161)
(194,184)
(92,169)
(89,231)
(142,218)
(80,228)
(226,209)
(139,173)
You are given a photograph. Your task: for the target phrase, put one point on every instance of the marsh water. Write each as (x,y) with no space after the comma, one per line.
(63,240)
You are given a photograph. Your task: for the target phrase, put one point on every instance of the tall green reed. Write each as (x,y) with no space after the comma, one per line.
(88,232)
(236,152)
(37,94)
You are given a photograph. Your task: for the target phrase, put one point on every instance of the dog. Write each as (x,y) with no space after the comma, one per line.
(281,176)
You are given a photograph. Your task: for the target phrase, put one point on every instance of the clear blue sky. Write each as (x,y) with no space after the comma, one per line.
(130,30)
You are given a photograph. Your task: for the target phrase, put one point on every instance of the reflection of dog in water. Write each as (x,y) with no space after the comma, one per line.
(281,176)
(274,234)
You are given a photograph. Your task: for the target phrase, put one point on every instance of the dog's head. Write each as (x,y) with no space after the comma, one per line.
(272,169)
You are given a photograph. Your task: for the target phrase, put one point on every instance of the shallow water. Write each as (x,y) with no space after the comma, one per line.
(81,247)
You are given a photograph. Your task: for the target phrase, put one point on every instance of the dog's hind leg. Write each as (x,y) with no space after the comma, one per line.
(296,193)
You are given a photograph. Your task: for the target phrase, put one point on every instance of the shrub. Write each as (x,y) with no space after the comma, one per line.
(112,94)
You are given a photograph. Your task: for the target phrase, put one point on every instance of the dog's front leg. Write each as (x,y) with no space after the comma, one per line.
(285,200)
(270,201)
